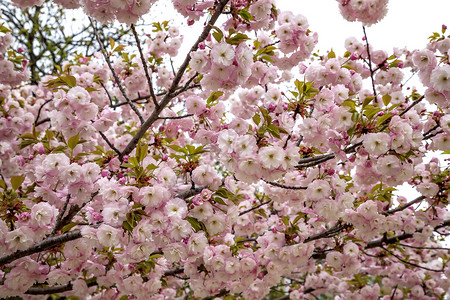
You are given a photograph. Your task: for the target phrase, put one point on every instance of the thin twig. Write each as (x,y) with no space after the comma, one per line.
(336,229)
(410,263)
(144,65)
(107,93)
(36,122)
(254,207)
(402,207)
(177,117)
(426,248)
(393,292)
(59,218)
(286,186)
(46,244)
(109,143)
(190,193)
(116,78)
(400,237)
(370,62)
(169,96)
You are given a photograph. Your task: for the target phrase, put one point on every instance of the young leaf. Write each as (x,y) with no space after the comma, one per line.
(16,181)
(73,141)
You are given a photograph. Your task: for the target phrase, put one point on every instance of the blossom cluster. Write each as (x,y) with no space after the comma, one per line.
(254,169)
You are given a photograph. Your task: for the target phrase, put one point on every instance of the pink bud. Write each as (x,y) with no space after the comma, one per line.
(105,173)
(20,50)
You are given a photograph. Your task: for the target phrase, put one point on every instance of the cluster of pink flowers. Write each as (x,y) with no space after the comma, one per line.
(241,180)
(366,11)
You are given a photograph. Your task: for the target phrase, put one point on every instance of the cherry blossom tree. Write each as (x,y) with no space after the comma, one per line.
(255,168)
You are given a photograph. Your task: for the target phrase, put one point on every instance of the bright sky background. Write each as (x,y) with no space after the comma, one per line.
(408,23)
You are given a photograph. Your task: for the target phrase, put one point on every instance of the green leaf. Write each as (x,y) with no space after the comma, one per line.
(219,201)
(196,224)
(246,15)
(218,34)
(27,135)
(387,99)
(16,181)
(134,161)
(331,54)
(213,97)
(119,48)
(111,43)
(73,141)
(274,131)
(224,193)
(349,67)
(367,101)
(2,184)
(68,227)
(266,116)
(256,118)
(371,111)
(383,118)
(299,85)
(69,80)
(349,103)
(237,38)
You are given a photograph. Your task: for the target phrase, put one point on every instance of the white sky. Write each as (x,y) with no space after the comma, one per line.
(408,23)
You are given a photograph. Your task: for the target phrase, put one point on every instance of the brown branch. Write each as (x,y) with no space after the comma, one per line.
(169,96)
(109,143)
(144,65)
(37,290)
(174,271)
(408,262)
(423,248)
(49,290)
(400,208)
(61,214)
(400,237)
(116,78)
(191,192)
(37,122)
(254,207)
(42,121)
(285,186)
(107,93)
(411,106)
(370,62)
(46,244)
(336,229)
(177,117)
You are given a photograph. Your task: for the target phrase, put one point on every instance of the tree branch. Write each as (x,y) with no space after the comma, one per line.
(169,96)
(46,244)
(59,218)
(254,207)
(116,78)
(370,62)
(402,207)
(108,142)
(144,65)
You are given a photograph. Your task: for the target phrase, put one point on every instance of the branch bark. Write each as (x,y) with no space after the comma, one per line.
(46,244)
(169,96)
